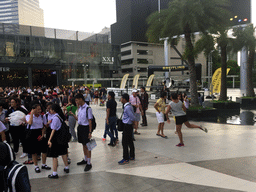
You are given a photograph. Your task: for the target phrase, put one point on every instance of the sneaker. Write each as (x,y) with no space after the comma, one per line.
(123,161)
(46,167)
(204,129)
(66,170)
(88,167)
(37,170)
(103,139)
(53,176)
(83,162)
(23,155)
(180,145)
(132,158)
(69,161)
(28,162)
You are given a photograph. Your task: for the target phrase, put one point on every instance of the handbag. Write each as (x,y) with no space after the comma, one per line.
(119,123)
(28,133)
(91,145)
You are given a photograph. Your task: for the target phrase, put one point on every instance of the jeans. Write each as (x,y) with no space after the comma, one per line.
(110,128)
(127,142)
(72,124)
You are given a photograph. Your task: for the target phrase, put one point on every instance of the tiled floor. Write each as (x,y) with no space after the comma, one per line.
(224,159)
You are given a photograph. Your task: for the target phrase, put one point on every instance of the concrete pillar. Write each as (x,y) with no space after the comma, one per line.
(243,72)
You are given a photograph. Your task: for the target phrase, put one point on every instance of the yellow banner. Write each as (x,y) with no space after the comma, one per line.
(149,82)
(135,81)
(216,81)
(124,80)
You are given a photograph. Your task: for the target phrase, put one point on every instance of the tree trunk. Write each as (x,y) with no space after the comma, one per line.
(249,68)
(192,69)
(223,89)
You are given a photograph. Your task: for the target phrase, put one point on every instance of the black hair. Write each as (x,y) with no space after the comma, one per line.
(35,106)
(73,101)
(57,109)
(174,96)
(143,88)
(125,96)
(111,94)
(79,96)
(163,94)
(49,104)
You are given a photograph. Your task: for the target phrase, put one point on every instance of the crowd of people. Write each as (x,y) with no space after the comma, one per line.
(46,109)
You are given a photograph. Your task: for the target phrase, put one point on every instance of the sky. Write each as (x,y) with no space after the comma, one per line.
(86,15)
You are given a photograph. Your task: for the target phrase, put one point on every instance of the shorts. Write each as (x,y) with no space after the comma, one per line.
(83,134)
(137,116)
(181,119)
(160,117)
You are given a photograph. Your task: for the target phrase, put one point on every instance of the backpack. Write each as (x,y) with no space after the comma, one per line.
(13,176)
(94,124)
(63,135)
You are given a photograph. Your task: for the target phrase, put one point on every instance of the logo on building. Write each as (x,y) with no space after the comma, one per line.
(108,60)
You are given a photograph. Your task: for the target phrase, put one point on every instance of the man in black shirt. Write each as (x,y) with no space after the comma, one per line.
(110,125)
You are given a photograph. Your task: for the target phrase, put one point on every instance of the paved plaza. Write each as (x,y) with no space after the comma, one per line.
(224,159)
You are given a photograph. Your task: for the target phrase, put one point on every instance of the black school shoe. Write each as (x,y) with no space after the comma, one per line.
(88,167)
(83,162)
(37,170)
(53,176)
(46,167)
(66,170)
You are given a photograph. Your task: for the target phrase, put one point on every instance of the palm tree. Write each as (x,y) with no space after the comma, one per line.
(186,17)
(245,38)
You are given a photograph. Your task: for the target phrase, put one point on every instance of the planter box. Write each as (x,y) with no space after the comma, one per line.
(209,115)
(226,105)
(247,103)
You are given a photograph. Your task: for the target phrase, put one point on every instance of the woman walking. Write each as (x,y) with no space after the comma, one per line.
(178,110)
(160,108)
(71,110)
(56,149)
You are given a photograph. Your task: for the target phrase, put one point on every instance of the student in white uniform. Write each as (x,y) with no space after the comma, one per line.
(56,149)
(36,142)
(84,129)
(2,132)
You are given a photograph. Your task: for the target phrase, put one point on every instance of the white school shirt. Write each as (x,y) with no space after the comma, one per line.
(82,120)
(2,127)
(37,122)
(49,118)
(56,123)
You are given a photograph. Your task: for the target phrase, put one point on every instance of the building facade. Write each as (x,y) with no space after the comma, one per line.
(23,12)
(52,57)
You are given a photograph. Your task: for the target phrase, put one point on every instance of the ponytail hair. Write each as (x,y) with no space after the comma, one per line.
(57,109)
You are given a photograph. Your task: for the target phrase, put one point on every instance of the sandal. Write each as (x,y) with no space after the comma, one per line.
(28,162)
(158,134)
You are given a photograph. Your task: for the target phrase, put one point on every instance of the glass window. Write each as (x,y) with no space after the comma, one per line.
(127,62)
(128,70)
(124,53)
(145,61)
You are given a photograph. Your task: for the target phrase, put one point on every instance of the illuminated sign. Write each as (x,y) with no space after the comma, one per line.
(5,69)
(108,60)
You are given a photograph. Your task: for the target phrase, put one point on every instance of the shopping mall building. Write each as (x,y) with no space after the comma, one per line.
(43,56)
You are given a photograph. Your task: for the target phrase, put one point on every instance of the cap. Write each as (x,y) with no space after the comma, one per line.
(54,93)
(134,91)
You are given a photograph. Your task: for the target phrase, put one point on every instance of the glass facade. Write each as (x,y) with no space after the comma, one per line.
(35,54)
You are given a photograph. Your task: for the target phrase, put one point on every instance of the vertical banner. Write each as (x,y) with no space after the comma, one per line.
(216,81)
(149,82)
(135,81)
(124,80)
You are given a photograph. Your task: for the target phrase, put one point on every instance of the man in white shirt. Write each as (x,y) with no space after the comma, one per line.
(84,129)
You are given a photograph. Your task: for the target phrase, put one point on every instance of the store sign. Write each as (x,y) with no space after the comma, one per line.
(5,69)
(108,60)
